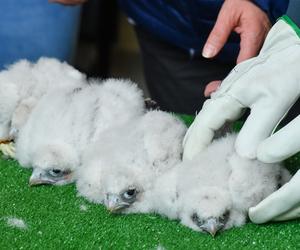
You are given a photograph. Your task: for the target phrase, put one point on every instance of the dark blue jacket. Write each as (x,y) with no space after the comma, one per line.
(187,23)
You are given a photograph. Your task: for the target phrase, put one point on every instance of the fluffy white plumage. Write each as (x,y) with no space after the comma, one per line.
(217,188)
(24,83)
(65,121)
(212,192)
(126,160)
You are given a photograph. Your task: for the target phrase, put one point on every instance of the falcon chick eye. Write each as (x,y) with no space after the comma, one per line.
(223,219)
(196,219)
(130,193)
(55,172)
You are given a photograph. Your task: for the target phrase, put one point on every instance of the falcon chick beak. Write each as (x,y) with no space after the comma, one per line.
(114,203)
(211,226)
(44,177)
(40,177)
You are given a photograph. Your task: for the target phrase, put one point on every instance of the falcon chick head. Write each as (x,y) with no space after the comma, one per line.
(116,186)
(54,164)
(206,209)
(122,165)
(122,191)
(111,172)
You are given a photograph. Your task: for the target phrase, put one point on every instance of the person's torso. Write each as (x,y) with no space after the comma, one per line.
(185,24)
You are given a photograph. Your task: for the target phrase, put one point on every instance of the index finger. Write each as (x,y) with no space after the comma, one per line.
(219,34)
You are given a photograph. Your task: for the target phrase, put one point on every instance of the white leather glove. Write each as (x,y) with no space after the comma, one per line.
(269,85)
(283,204)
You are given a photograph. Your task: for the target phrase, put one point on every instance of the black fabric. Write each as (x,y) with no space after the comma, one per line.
(294,13)
(99,25)
(292,114)
(175,80)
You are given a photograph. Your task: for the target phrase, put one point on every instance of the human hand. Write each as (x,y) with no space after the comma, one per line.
(68,2)
(244,18)
(257,84)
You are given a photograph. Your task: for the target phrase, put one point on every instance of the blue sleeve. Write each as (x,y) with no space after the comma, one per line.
(293,11)
(274,8)
(33,28)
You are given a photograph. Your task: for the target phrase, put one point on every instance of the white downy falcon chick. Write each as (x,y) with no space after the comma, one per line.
(117,169)
(216,188)
(23,84)
(65,121)
(212,192)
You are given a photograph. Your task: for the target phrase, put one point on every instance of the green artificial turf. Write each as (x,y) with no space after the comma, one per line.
(57,219)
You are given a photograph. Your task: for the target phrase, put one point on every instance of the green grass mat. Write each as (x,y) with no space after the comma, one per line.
(56,218)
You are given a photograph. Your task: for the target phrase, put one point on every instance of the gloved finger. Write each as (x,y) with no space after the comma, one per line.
(292,214)
(219,34)
(259,125)
(211,87)
(281,145)
(213,115)
(279,202)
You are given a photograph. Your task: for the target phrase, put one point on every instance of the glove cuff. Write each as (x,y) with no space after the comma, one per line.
(291,23)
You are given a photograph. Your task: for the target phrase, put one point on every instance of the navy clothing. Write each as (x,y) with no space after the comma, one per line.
(294,11)
(175,81)
(187,24)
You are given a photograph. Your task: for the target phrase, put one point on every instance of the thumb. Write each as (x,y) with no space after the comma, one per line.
(218,36)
